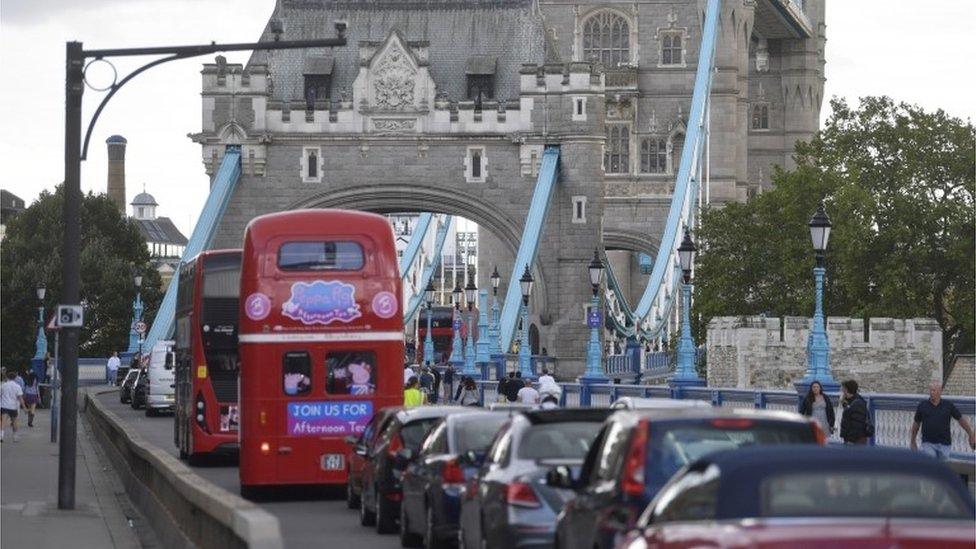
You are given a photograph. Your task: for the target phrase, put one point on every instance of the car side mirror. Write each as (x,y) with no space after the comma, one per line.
(472,458)
(560,477)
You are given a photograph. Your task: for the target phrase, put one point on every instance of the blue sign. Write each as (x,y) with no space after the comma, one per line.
(594,319)
(457,324)
(311,418)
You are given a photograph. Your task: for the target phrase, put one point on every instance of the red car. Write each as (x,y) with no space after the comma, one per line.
(808,497)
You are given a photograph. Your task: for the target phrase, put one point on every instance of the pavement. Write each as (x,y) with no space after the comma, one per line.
(103,516)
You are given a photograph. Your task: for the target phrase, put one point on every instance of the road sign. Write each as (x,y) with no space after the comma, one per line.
(457,324)
(71,316)
(140,327)
(594,319)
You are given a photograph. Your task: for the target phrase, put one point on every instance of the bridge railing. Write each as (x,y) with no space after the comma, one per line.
(891,414)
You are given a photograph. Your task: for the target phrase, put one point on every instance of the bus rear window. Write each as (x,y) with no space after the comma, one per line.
(350,373)
(321,256)
(297,368)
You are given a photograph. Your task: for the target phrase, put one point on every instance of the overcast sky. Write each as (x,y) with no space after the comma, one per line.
(920,53)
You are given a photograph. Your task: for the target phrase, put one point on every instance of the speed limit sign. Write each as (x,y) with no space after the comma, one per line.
(140,327)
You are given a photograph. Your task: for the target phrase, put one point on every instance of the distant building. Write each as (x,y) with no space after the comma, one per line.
(165,242)
(10,206)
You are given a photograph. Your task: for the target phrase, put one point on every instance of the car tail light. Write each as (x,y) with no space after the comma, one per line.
(396,444)
(452,473)
(265,448)
(632,482)
(732,423)
(201,415)
(818,433)
(521,494)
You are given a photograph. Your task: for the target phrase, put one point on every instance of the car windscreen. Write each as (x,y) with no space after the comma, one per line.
(477,434)
(859,494)
(413,433)
(563,440)
(672,445)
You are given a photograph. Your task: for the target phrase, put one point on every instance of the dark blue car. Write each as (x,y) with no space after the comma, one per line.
(432,483)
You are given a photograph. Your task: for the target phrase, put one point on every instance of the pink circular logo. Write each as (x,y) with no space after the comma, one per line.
(385,305)
(257,306)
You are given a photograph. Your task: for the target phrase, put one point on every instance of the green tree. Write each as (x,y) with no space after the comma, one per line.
(898,183)
(113,251)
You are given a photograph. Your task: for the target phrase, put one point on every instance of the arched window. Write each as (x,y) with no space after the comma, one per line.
(654,155)
(677,144)
(671,51)
(616,153)
(760,116)
(606,38)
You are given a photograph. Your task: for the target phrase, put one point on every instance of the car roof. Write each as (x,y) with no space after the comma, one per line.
(560,415)
(478,415)
(713,412)
(658,403)
(427,412)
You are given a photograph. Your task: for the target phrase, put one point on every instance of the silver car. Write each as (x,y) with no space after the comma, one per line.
(652,403)
(507,502)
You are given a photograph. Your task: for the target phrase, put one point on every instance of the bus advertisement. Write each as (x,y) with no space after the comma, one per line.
(206,409)
(321,342)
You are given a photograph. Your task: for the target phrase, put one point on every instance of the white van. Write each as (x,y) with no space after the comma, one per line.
(161,393)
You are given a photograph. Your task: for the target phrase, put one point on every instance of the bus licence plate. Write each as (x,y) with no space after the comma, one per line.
(333,462)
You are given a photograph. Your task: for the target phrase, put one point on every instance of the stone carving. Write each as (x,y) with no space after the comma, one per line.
(394,80)
(394,125)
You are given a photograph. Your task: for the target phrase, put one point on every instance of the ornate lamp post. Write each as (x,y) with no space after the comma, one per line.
(818,348)
(493,329)
(685,375)
(428,340)
(40,344)
(470,295)
(594,359)
(525,354)
(136,316)
(457,354)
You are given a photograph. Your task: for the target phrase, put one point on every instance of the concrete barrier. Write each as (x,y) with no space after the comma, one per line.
(183,508)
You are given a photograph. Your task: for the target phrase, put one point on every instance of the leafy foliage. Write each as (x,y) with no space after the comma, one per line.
(113,251)
(898,183)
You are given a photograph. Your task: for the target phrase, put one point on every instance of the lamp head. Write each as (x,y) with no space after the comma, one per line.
(138,279)
(686,253)
(495,279)
(596,271)
(525,283)
(429,292)
(470,292)
(41,290)
(820,229)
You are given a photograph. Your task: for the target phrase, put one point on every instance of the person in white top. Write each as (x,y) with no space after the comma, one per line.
(11,400)
(113,367)
(407,374)
(527,394)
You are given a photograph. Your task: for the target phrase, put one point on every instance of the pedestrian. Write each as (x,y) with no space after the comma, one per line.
(548,386)
(855,424)
(426,382)
(817,405)
(19,380)
(32,396)
(527,394)
(11,399)
(407,373)
(437,384)
(933,417)
(549,402)
(460,389)
(412,397)
(469,394)
(513,386)
(112,368)
(448,381)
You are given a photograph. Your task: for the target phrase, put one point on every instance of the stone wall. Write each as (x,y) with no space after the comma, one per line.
(890,356)
(962,377)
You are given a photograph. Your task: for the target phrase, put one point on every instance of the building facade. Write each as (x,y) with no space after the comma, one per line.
(447,105)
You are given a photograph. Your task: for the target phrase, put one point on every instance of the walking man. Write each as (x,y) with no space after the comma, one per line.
(11,400)
(113,367)
(933,417)
(448,381)
(855,423)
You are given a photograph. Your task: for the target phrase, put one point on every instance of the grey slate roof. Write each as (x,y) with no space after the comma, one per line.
(481,64)
(144,199)
(160,230)
(456,30)
(319,64)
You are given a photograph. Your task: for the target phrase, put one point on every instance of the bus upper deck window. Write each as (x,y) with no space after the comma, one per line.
(321,256)
(350,373)
(297,369)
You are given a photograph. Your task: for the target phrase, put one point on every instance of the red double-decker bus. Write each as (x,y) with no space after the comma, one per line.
(441,331)
(206,411)
(321,342)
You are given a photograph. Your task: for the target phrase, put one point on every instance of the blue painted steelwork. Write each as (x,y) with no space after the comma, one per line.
(213,210)
(531,235)
(818,349)
(416,241)
(428,272)
(470,369)
(40,344)
(484,333)
(525,353)
(594,370)
(659,295)
(685,374)
(136,317)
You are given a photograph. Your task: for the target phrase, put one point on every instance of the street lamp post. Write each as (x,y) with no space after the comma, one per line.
(136,316)
(525,354)
(75,150)
(40,344)
(428,340)
(818,348)
(494,343)
(685,374)
(594,367)
(457,352)
(470,294)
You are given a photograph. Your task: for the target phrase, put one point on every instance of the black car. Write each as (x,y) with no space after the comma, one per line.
(636,453)
(359,447)
(125,389)
(388,457)
(140,389)
(433,482)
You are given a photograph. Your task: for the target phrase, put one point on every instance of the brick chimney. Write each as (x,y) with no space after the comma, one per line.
(116,170)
